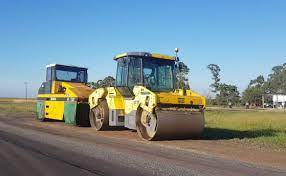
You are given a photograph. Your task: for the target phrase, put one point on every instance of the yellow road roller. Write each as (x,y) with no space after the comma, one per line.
(64,95)
(144,98)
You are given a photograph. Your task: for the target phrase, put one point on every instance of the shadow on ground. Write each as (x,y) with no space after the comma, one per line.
(225,134)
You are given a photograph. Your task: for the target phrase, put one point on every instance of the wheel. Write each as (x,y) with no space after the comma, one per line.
(146,125)
(82,115)
(99,116)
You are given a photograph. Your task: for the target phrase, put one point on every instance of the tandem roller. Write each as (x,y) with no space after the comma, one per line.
(146,98)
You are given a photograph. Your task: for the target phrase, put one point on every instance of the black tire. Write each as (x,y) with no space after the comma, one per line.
(99,116)
(82,115)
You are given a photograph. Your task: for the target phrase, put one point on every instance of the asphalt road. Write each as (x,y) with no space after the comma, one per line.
(26,150)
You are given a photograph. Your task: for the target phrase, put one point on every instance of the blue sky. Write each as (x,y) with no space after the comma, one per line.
(245,37)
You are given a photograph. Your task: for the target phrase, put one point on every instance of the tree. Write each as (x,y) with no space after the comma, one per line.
(252,95)
(182,72)
(106,82)
(225,93)
(276,82)
(255,91)
(258,82)
(215,70)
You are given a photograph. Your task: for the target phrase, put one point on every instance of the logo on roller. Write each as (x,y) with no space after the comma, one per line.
(181,100)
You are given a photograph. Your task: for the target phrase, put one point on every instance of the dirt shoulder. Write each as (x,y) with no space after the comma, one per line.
(223,148)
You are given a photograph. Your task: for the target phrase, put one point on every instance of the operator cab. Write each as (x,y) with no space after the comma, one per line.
(62,73)
(153,71)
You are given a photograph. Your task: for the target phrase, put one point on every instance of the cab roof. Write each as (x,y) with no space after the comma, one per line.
(144,54)
(53,65)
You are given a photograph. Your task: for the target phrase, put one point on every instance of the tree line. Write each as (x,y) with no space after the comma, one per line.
(258,91)
(263,88)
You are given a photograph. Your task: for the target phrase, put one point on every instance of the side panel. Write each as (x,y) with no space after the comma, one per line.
(54,110)
(131,107)
(130,120)
(116,117)
(70,112)
(145,98)
(40,108)
(179,97)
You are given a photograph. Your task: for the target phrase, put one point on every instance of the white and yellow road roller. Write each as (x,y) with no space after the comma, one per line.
(145,98)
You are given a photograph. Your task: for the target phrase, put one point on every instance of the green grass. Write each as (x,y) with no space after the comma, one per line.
(262,129)
(259,129)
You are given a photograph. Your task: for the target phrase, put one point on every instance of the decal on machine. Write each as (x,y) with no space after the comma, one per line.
(181,100)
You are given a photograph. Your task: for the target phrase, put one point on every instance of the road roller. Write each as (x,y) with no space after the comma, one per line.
(145,99)
(64,95)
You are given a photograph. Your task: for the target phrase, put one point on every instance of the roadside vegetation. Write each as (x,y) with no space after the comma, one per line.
(252,128)
(265,129)
(18,107)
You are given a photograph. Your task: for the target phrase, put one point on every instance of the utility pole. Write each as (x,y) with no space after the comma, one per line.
(26,90)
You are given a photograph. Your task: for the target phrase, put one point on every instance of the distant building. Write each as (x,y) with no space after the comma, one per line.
(279,101)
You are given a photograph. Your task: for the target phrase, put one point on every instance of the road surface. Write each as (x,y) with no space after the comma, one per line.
(53,148)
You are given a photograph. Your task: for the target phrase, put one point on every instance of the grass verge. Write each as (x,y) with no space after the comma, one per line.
(262,129)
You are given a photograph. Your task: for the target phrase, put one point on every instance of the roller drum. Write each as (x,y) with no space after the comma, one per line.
(171,125)
(179,124)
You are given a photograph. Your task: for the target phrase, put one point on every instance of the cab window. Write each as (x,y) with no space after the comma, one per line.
(121,78)
(134,72)
(71,74)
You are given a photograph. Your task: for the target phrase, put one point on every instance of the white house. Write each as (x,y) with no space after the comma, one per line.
(279,100)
